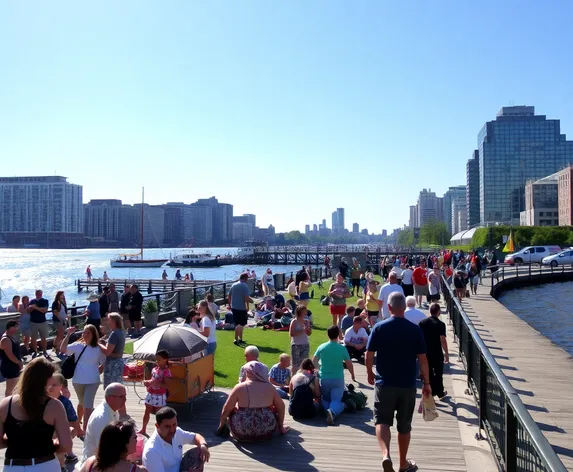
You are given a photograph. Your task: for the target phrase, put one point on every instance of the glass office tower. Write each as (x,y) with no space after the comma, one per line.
(518,146)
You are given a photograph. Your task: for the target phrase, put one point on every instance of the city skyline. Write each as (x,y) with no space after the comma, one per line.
(239,97)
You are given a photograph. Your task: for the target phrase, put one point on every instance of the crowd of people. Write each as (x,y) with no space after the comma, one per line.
(387,329)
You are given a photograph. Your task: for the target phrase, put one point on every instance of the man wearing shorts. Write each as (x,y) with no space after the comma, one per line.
(338,293)
(420,279)
(397,344)
(134,306)
(239,299)
(38,325)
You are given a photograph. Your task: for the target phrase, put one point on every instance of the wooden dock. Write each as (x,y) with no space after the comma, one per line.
(540,371)
(351,444)
(149,285)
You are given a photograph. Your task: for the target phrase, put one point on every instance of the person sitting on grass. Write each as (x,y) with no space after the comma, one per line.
(251,354)
(279,375)
(355,339)
(348,319)
(254,411)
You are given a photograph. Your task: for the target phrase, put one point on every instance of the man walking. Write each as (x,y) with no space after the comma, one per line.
(434,332)
(386,290)
(397,344)
(112,300)
(420,279)
(38,325)
(239,299)
(332,356)
(134,307)
(412,313)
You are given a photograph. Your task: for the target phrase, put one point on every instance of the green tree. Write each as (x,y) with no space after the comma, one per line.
(435,232)
(406,237)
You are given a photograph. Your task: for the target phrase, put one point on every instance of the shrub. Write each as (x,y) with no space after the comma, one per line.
(150,306)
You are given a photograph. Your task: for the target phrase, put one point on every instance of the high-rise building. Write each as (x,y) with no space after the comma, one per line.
(458,214)
(472,190)
(324,223)
(202,224)
(102,219)
(565,196)
(413,223)
(314,228)
(458,191)
(518,146)
(130,225)
(337,220)
(243,228)
(306,229)
(355,228)
(40,205)
(250,218)
(541,202)
(153,225)
(178,224)
(428,207)
(222,219)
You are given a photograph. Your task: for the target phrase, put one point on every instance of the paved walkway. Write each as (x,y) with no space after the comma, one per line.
(540,371)
(447,444)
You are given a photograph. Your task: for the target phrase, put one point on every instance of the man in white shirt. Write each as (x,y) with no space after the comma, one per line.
(412,313)
(163,451)
(386,290)
(106,413)
(355,339)
(407,283)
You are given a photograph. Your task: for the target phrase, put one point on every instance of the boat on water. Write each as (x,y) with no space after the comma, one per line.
(250,247)
(137,260)
(194,259)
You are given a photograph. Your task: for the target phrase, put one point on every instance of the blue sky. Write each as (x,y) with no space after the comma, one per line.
(286,109)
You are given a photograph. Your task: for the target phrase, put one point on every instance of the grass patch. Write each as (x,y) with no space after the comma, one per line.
(128,349)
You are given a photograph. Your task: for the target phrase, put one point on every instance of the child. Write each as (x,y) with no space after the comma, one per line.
(373,305)
(58,390)
(156,387)
(348,318)
(360,304)
(193,319)
(213,307)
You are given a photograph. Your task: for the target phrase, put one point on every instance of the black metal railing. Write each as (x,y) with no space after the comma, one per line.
(506,271)
(517,442)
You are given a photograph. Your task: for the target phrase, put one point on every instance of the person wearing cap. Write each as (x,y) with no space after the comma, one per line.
(92,312)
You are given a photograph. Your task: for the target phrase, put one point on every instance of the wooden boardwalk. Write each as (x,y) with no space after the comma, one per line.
(349,445)
(540,371)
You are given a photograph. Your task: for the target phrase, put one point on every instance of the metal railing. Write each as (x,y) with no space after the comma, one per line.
(506,271)
(517,442)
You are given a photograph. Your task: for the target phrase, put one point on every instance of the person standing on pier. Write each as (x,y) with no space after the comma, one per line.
(437,349)
(134,307)
(239,299)
(38,325)
(124,301)
(11,364)
(397,343)
(420,279)
(112,300)
(385,292)
(355,276)
(338,293)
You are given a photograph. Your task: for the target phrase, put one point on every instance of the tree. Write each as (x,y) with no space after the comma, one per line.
(435,232)
(406,237)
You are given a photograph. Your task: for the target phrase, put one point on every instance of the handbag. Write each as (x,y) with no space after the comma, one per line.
(68,367)
(429,410)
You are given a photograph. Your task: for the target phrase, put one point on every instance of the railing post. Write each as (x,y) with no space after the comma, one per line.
(510,453)
(224,290)
(194,296)
(158,299)
(149,288)
(482,391)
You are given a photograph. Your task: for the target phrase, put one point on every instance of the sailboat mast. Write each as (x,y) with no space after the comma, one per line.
(142,220)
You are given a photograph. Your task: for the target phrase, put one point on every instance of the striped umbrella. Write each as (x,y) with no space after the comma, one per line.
(180,341)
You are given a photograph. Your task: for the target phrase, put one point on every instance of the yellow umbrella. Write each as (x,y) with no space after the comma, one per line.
(509,246)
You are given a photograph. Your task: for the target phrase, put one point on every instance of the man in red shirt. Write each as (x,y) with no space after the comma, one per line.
(420,279)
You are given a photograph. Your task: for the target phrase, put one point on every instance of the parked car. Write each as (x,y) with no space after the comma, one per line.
(531,254)
(563,258)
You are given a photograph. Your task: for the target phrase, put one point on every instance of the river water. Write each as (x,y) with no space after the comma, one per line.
(24,270)
(547,308)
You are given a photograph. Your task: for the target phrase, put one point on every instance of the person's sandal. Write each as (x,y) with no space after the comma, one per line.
(412,467)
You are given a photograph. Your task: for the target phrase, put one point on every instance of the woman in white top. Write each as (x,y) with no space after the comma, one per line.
(207,327)
(268,282)
(90,361)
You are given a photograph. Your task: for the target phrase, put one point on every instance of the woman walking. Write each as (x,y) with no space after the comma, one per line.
(304,289)
(299,331)
(59,319)
(208,327)
(89,362)
(112,348)
(30,418)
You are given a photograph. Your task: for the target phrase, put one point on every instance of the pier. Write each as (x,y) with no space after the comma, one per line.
(538,373)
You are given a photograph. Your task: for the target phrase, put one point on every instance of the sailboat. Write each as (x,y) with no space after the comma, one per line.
(137,260)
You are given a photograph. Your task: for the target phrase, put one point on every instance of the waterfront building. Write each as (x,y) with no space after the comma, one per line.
(453,193)
(314,228)
(129,230)
(42,210)
(153,225)
(337,220)
(428,207)
(222,219)
(413,223)
(242,231)
(178,224)
(472,190)
(323,223)
(355,228)
(516,147)
(306,229)
(458,221)
(565,196)
(541,202)
(102,219)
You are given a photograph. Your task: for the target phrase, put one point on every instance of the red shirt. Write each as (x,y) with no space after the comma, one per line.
(420,276)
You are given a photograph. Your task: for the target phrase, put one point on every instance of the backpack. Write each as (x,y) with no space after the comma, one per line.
(302,401)
(325,300)
(354,400)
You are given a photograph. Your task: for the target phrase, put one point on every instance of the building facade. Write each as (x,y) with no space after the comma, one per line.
(355,228)
(428,207)
(413,222)
(516,147)
(458,214)
(541,202)
(565,196)
(337,220)
(222,219)
(102,219)
(453,193)
(472,190)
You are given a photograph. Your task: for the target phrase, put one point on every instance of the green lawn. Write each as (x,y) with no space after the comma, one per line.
(229,358)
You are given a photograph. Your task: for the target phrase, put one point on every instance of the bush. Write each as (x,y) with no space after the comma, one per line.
(150,306)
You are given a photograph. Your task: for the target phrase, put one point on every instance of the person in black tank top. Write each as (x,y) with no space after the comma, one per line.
(11,359)
(29,420)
